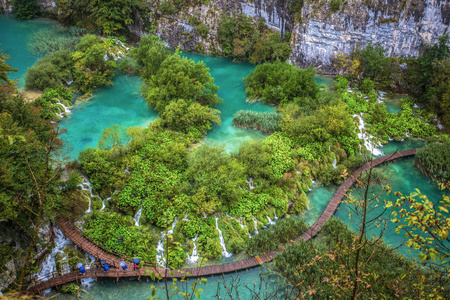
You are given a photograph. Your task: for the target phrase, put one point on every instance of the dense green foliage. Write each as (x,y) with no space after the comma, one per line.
(89,67)
(385,125)
(149,55)
(281,233)
(25,9)
(317,269)
(426,78)
(52,101)
(50,72)
(180,78)
(137,241)
(243,38)
(264,122)
(110,16)
(280,83)
(434,159)
(58,38)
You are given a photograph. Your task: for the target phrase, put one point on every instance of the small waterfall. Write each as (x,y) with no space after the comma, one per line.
(270,221)
(250,183)
(367,138)
(275,217)
(126,171)
(185,218)
(64,110)
(335,163)
(256,225)
(225,253)
(87,186)
(160,257)
(49,264)
(194,257)
(137,216)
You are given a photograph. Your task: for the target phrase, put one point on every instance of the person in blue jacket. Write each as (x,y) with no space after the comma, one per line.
(82,270)
(105,267)
(124,267)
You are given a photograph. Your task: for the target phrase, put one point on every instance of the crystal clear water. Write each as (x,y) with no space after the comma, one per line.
(122,104)
(14,35)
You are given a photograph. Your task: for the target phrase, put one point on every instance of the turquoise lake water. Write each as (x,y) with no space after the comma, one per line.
(123,105)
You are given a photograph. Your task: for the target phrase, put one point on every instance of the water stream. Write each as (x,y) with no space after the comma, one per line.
(225,253)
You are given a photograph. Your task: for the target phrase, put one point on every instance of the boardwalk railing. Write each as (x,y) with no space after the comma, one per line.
(113,259)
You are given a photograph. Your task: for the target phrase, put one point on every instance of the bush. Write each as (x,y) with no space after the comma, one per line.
(50,72)
(278,82)
(434,160)
(26,9)
(270,239)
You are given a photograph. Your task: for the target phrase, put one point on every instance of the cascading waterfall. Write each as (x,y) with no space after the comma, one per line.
(87,186)
(225,253)
(250,183)
(160,251)
(335,163)
(367,138)
(49,264)
(270,221)
(64,110)
(256,225)
(137,217)
(194,257)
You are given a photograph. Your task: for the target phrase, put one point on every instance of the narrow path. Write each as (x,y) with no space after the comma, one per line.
(75,235)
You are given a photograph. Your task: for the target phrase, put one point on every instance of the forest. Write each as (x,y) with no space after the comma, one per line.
(192,197)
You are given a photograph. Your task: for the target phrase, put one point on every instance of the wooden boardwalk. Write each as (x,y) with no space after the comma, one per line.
(76,236)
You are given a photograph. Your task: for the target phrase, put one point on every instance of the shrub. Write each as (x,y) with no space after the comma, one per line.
(50,72)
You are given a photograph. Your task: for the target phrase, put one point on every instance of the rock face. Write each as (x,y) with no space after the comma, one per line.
(319,29)
(401,27)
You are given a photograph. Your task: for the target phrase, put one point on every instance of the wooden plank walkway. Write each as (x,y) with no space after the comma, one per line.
(76,236)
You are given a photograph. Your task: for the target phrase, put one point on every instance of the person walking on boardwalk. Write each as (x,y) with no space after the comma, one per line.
(123,265)
(136,262)
(104,265)
(82,269)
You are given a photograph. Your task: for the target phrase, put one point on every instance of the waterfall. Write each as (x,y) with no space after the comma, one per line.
(335,163)
(225,253)
(185,218)
(256,225)
(270,221)
(87,186)
(137,216)
(275,217)
(194,257)
(160,258)
(250,183)
(367,138)
(64,110)
(49,264)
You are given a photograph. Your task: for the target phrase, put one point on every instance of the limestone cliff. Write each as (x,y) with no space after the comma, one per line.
(319,28)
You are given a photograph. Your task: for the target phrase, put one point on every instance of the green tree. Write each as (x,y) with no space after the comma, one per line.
(26,9)
(50,72)
(149,55)
(280,83)
(180,78)
(180,116)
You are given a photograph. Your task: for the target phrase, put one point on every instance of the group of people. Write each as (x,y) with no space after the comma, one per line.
(105,266)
